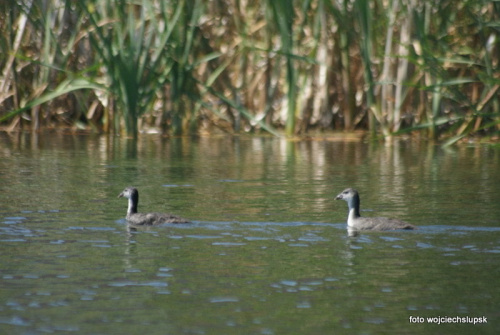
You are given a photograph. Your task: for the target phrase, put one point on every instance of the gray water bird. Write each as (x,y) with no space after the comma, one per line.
(355,221)
(145,219)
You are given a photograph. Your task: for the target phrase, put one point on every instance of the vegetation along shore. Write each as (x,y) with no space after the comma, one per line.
(279,66)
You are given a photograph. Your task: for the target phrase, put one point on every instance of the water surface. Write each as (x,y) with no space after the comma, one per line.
(268,251)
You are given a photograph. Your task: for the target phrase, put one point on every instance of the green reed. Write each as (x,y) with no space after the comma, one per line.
(131,40)
(283,16)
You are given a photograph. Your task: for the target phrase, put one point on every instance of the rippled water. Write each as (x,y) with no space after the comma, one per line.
(268,251)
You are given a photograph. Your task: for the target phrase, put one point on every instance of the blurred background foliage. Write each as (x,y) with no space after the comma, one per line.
(181,67)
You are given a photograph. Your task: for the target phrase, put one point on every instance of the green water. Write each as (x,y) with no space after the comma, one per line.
(267,252)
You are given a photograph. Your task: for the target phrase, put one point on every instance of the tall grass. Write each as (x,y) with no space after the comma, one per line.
(179,66)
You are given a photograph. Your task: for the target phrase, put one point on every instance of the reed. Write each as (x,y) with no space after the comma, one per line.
(364,13)
(185,66)
(38,51)
(282,15)
(131,41)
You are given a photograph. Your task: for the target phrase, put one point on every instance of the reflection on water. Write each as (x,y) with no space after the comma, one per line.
(268,252)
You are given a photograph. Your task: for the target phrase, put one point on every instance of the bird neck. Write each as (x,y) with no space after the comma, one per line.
(132,206)
(353,204)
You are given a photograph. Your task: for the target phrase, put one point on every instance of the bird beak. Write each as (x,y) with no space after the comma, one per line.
(120,195)
(339,197)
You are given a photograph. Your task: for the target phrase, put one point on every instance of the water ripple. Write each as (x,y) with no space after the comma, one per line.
(224,299)
(136,283)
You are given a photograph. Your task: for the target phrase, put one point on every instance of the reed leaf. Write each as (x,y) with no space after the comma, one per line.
(65,87)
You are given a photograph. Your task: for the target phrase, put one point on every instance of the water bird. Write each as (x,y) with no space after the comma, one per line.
(357,222)
(145,219)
